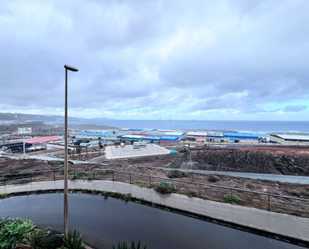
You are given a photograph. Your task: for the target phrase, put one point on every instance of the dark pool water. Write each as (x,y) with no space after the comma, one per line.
(104,222)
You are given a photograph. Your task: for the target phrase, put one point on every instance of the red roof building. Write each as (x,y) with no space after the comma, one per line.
(42,139)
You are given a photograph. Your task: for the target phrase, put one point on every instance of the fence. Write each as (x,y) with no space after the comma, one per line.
(266,201)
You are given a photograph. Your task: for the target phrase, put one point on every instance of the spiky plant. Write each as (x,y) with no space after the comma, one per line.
(12,232)
(43,239)
(3,221)
(74,240)
(132,246)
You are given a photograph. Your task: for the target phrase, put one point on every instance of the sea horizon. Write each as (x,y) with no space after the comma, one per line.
(259,127)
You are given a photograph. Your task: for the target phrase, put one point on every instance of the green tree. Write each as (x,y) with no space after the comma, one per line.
(100,146)
(79,150)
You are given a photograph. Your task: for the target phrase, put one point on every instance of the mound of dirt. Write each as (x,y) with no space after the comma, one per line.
(271,160)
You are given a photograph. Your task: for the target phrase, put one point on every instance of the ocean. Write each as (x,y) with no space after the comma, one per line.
(259,127)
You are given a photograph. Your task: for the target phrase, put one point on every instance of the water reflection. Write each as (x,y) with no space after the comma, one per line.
(104,222)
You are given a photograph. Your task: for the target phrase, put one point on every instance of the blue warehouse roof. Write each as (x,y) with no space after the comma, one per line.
(240,135)
(97,135)
(168,138)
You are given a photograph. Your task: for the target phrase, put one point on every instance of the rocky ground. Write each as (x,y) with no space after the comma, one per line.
(271,160)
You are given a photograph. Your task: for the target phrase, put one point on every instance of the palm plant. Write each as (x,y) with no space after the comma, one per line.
(43,239)
(132,246)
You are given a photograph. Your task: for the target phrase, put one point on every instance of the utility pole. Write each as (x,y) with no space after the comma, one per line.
(24,149)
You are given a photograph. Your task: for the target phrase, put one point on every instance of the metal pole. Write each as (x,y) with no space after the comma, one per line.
(24,149)
(66,201)
(268,203)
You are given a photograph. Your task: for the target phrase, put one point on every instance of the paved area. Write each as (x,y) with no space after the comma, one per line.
(283,224)
(270,177)
(116,152)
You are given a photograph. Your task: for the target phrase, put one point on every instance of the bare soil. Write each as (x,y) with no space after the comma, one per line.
(258,158)
(271,160)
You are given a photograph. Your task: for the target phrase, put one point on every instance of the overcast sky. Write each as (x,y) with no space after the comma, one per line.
(148,59)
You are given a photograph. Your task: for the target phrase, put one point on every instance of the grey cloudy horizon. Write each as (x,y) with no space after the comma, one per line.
(152,59)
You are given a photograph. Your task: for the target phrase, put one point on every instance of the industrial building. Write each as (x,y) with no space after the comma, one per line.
(169,139)
(139,138)
(31,144)
(200,136)
(240,136)
(178,135)
(136,135)
(282,138)
(112,136)
(169,136)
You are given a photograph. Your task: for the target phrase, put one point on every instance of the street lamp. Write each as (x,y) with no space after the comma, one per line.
(66,200)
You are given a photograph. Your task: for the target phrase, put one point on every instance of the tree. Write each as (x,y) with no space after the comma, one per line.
(100,146)
(79,150)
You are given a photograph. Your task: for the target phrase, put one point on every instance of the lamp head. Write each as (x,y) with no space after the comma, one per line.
(73,69)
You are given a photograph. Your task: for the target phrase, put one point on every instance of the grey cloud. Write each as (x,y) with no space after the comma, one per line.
(295,108)
(207,54)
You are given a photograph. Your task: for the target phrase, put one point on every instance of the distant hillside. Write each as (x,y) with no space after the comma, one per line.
(92,127)
(34,117)
(6,117)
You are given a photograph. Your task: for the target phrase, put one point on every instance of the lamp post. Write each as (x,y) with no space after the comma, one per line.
(66,200)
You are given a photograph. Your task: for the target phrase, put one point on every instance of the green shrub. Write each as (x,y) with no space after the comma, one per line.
(249,185)
(13,231)
(80,175)
(176,174)
(20,181)
(57,163)
(2,196)
(127,197)
(232,198)
(43,239)
(132,246)
(1,165)
(3,221)
(136,183)
(212,178)
(191,193)
(165,187)
(104,172)
(74,240)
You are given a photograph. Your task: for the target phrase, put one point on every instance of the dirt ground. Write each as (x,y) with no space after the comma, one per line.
(138,165)
(269,160)
(278,149)
(154,166)
(40,152)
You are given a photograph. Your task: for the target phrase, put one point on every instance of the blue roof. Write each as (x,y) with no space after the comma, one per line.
(154,134)
(169,138)
(240,135)
(135,129)
(91,134)
(140,138)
